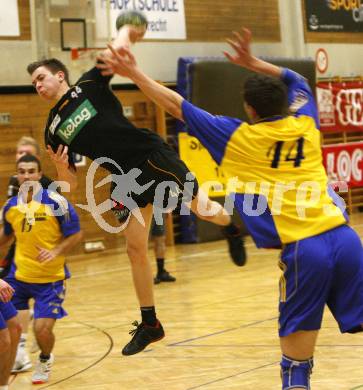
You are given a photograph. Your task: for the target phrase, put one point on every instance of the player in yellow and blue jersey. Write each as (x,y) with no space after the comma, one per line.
(45,226)
(25,145)
(281,192)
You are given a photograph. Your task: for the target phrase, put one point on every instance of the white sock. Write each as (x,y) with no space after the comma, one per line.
(22,341)
(4,387)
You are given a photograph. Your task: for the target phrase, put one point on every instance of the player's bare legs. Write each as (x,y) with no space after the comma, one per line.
(43,330)
(15,330)
(24,319)
(150,329)
(298,347)
(9,339)
(137,237)
(209,210)
(22,361)
(5,348)
(213,212)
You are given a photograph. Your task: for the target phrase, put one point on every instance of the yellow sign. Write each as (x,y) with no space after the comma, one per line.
(200,162)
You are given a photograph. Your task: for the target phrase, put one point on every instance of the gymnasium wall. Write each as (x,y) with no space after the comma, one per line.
(278,26)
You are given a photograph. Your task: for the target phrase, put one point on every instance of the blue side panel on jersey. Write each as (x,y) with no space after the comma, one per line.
(256,215)
(299,91)
(213,131)
(339,202)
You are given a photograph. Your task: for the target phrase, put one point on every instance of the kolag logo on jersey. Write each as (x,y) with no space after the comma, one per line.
(75,123)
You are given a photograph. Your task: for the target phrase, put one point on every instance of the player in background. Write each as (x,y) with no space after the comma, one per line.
(25,145)
(46,227)
(159,241)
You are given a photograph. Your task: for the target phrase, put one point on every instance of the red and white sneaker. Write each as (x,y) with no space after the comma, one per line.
(42,371)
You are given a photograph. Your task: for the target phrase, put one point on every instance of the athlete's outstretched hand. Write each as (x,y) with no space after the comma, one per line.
(242,56)
(121,62)
(241,43)
(59,158)
(6,291)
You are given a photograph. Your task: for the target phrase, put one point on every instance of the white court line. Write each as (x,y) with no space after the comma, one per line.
(200,254)
(89,274)
(127,267)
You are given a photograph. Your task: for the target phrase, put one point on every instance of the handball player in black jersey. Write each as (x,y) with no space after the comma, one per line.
(88,119)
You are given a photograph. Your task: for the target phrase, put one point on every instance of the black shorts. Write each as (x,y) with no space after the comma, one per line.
(162,180)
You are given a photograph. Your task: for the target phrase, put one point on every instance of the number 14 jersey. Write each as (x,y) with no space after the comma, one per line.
(274,168)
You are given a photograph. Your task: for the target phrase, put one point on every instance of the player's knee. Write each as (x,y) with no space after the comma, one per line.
(5,341)
(15,329)
(295,373)
(42,332)
(136,251)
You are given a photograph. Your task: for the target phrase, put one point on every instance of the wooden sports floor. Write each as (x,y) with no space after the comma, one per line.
(220,322)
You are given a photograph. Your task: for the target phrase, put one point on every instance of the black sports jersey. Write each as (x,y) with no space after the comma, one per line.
(89,119)
(13,186)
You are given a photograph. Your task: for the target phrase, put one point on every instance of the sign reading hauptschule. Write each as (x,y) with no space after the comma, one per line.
(166,17)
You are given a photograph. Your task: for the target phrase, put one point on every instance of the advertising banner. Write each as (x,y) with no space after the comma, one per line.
(334,15)
(340,106)
(344,162)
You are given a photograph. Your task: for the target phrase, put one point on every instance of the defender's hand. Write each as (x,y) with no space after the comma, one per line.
(121,62)
(241,44)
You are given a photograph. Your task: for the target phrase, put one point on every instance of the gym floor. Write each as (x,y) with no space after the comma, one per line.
(220,322)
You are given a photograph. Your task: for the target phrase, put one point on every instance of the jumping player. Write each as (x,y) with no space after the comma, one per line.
(88,119)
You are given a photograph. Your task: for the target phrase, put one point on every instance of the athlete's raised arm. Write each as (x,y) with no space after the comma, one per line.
(242,56)
(124,64)
(131,27)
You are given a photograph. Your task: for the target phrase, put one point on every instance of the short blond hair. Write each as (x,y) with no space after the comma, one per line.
(27,140)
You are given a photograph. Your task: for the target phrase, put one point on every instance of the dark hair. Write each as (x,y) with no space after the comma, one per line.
(52,64)
(266,95)
(29,158)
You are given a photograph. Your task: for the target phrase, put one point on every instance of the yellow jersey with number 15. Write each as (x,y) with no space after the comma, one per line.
(42,223)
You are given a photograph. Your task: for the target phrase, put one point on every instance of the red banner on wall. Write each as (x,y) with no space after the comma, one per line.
(344,162)
(340,105)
